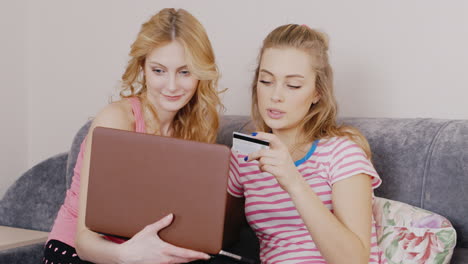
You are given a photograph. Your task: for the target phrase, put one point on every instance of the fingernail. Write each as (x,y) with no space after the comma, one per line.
(254,134)
(169,215)
(246,158)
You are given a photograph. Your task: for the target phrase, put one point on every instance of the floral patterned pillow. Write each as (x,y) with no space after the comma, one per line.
(408,234)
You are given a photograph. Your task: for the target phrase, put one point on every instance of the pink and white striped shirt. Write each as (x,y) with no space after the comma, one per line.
(270,212)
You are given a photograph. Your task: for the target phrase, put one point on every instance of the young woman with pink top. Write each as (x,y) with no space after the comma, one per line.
(309,196)
(170,89)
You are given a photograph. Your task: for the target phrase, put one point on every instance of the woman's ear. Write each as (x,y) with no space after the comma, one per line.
(316,97)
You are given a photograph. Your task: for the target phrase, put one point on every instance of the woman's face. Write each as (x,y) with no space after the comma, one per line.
(285,87)
(169,82)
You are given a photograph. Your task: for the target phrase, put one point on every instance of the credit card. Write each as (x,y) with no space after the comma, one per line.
(246,144)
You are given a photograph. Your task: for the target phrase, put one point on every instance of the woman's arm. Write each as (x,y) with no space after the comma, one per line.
(144,247)
(90,245)
(342,236)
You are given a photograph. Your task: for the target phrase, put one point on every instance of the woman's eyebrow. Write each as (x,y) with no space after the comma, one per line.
(182,67)
(294,76)
(155,63)
(267,72)
(287,76)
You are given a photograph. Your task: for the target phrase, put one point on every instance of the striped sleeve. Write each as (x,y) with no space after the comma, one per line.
(348,159)
(235,187)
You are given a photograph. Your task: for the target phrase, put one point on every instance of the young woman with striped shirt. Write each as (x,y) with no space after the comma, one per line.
(309,196)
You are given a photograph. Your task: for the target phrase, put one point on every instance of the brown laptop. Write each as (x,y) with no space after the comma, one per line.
(136,179)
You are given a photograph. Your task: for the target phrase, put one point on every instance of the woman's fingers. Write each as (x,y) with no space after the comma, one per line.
(275,150)
(268,161)
(180,255)
(274,141)
(259,154)
(186,254)
(147,247)
(270,169)
(176,259)
(162,223)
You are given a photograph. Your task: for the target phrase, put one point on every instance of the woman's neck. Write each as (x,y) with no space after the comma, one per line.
(163,120)
(294,141)
(165,127)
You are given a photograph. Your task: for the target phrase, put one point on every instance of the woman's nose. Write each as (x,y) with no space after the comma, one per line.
(172,85)
(277,95)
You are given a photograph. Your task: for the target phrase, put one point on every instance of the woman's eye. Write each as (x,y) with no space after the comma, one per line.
(265,82)
(294,86)
(159,71)
(185,72)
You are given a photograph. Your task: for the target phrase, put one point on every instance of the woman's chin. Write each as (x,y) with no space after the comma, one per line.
(172,106)
(274,124)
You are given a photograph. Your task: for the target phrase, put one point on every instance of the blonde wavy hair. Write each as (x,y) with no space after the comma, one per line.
(198,119)
(320,121)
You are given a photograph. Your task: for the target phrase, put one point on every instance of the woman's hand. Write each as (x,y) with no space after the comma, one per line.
(147,247)
(277,161)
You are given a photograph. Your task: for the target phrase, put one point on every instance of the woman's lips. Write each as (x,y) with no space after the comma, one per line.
(172,98)
(275,113)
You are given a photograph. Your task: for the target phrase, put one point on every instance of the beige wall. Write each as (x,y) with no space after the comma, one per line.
(391,58)
(13,106)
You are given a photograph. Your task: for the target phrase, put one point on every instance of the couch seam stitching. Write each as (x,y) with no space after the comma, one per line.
(427,163)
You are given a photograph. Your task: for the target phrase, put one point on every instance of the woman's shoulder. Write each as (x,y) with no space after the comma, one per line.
(333,141)
(337,144)
(117,115)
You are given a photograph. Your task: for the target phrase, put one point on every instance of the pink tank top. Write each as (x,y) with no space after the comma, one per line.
(65,224)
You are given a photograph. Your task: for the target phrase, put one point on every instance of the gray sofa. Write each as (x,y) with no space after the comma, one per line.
(423,162)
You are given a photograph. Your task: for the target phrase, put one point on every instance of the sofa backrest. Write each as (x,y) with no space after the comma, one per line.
(422,162)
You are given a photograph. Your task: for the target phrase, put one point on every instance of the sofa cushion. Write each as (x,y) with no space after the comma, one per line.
(408,234)
(33,200)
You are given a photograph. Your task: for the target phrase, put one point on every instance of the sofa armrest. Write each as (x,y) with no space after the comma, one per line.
(33,200)
(11,237)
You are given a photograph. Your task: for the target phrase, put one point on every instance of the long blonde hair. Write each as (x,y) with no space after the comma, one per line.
(198,119)
(320,121)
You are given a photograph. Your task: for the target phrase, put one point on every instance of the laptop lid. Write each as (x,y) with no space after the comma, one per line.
(135,179)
